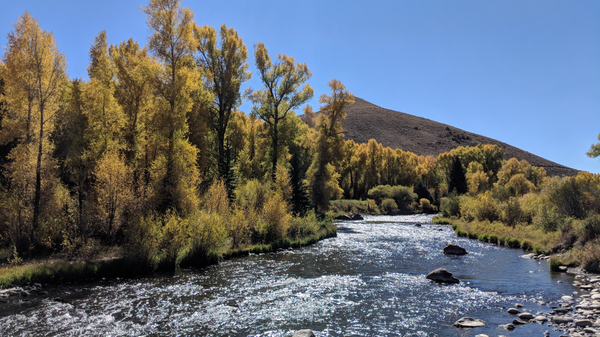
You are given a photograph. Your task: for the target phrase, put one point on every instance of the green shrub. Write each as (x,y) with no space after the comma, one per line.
(454,226)
(425,206)
(471,235)
(483,238)
(301,227)
(555,263)
(493,239)
(403,196)
(512,243)
(526,245)
(590,228)
(512,213)
(389,206)
(548,220)
(450,206)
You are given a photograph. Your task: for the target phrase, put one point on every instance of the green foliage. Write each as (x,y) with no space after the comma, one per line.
(422,191)
(457,177)
(555,263)
(450,206)
(567,198)
(425,206)
(526,245)
(548,220)
(512,213)
(389,206)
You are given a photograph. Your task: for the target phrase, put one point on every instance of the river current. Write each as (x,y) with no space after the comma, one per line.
(369,281)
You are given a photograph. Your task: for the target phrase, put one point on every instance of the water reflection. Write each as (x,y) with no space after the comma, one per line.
(369,281)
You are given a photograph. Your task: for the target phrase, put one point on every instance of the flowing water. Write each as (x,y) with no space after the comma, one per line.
(369,281)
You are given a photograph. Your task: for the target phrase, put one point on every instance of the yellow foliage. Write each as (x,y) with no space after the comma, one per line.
(520,184)
(114,191)
(477,179)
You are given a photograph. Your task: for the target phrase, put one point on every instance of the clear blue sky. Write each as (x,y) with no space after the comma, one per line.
(524,72)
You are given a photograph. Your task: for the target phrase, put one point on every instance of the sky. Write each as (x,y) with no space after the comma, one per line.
(526,73)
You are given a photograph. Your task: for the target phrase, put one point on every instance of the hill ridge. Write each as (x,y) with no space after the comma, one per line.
(424,136)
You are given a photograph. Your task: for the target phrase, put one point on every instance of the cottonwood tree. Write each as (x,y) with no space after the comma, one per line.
(224,62)
(36,74)
(174,176)
(282,94)
(322,177)
(134,71)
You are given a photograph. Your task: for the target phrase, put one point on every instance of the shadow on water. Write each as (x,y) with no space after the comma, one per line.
(368,281)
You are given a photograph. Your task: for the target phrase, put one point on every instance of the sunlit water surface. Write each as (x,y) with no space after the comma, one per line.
(369,281)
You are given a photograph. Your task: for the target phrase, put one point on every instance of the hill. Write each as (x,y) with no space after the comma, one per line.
(422,136)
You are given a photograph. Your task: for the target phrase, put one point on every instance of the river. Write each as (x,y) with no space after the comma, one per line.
(369,281)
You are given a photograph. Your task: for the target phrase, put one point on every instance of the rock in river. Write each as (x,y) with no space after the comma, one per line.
(526,316)
(304,333)
(453,249)
(442,275)
(469,322)
(513,311)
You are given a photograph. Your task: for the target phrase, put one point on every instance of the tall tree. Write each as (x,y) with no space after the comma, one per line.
(225,68)
(457,177)
(322,175)
(281,94)
(37,74)
(106,120)
(134,70)
(175,174)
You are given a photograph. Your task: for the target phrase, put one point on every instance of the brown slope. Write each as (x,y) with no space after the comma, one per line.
(422,136)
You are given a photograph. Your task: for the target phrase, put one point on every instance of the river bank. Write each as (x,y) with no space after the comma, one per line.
(63,270)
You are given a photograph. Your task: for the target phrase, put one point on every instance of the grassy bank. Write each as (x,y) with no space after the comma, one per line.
(526,237)
(60,271)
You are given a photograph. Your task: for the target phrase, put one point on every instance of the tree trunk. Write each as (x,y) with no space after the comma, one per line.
(38,176)
(275,149)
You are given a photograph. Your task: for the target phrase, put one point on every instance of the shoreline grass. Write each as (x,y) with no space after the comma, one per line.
(62,271)
(525,237)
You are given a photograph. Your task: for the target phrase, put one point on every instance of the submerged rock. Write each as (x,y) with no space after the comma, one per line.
(304,333)
(469,322)
(442,275)
(453,249)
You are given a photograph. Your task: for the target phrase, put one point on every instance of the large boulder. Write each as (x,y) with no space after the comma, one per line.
(469,322)
(304,333)
(442,275)
(357,216)
(453,249)
(343,217)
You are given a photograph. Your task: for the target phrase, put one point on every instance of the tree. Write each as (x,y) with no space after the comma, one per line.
(106,120)
(174,175)
(281,94)
(225,68)
(134,70)
(322,176)
(594,150)
(456,177)
(36,76)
